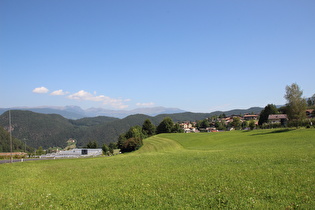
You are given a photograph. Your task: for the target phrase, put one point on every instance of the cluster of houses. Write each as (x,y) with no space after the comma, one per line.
(190,127)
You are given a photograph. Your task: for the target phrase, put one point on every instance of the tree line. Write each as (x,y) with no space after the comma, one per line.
(295,109)
(133,139)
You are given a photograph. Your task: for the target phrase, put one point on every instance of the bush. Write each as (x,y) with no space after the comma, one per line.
(300,123)
(131,144)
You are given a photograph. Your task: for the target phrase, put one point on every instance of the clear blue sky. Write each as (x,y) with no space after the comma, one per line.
(199,56)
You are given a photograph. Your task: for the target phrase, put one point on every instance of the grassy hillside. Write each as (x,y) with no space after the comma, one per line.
(270,169)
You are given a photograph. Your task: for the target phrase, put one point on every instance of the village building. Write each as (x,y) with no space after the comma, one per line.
(250,117)
(309,113)
(278,118)
(186,125)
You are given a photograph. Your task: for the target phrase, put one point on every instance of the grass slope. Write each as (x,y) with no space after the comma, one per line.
(269,169)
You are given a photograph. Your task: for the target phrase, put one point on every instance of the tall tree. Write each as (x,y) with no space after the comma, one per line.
(166,126)
(311,101)
(269,109)
(92,145)
(251,124)
(220,125)
(105,149)
(132,140)
(148,128)
(111,147)
(236,123)
(296,105)
(245,124)
(135,132)
(131,144)
(121,140)
(177,129)
(205,123)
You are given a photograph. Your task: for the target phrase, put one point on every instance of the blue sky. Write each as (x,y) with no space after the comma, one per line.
(199,56)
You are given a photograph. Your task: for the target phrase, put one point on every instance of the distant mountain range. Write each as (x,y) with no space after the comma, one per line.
(76,112)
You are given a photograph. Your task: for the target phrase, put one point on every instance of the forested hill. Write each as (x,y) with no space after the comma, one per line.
(49,130)
(17,145)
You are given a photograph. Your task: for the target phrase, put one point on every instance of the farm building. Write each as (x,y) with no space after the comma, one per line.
(75,153)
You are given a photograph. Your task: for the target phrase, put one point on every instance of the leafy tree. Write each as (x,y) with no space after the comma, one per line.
(252,124)
(311,101)
(40,151)
(148,128)
(166,126)
(282,110)
(135,132)
(177,129)
(269,109)
(131,144)
(105,149)
(111,147)
(121,140)
(296,105)
(132,140)
(236,123)
(92,145)
(214,118)
(222,116)
(244,124)
(220,125)
(204,123)
(198,124)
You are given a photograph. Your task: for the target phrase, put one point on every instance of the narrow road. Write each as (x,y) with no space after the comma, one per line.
(19,160)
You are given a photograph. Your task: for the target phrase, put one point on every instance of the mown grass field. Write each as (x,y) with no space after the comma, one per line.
(263,169)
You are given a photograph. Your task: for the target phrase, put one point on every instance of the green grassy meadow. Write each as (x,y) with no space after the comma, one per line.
(261,169)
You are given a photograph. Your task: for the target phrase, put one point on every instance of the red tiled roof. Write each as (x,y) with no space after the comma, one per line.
(277,116)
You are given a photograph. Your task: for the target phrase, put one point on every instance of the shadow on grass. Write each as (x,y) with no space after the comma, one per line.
(274,131)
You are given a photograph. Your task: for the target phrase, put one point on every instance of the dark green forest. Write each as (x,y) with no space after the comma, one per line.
(17,145)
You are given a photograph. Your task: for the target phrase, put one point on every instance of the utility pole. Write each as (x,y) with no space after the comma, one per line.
(11,147)
(25,144)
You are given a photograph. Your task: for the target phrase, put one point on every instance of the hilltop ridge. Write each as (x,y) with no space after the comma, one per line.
(76,112)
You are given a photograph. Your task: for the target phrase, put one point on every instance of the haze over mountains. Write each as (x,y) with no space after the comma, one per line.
(76,112)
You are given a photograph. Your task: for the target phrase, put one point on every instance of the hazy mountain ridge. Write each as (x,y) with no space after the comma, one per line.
(76,112)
